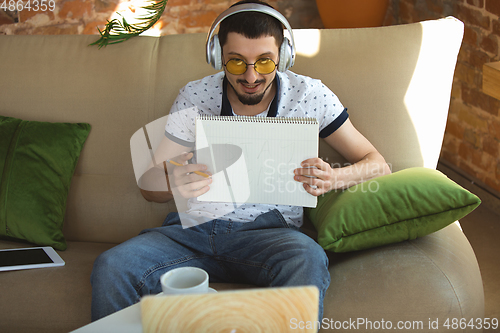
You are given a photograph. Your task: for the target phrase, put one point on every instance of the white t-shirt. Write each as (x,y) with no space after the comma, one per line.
(296,96)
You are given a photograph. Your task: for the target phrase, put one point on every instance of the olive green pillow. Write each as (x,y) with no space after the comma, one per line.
(37,162)
(401,206)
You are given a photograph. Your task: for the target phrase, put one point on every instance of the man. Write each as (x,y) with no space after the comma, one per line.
(256,244)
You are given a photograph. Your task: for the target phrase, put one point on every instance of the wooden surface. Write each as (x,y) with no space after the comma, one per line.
(252,310)
(491,79)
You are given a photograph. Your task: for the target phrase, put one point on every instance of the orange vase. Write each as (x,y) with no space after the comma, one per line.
(352,13)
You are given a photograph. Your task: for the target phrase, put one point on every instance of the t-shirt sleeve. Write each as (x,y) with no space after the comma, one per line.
(331,113)
(180,126)
(335,124)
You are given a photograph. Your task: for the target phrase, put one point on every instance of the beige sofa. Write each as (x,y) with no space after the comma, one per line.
(395,81)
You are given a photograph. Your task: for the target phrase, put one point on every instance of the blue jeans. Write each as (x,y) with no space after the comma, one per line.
(266,252)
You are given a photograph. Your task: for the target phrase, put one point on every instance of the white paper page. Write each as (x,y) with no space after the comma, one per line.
(270,151)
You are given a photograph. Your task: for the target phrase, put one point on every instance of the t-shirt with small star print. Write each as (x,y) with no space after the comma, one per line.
(296,96)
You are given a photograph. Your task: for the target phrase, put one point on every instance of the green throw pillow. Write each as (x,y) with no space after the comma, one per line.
(401,206)
(37,162)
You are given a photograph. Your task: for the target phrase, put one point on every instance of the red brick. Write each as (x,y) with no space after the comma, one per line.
(491,105)
(496,27)
(486,163)
(466,152)
(472,16)
(476,158)
(465,73)
(67,29)
(435,7)
(75,9)
(472,138)
(450,143)
(410,2)
(450,157)
(489,44)
(456,90)
(463,54)
(465,166)
(491,146)
(470,35)
(406,11)
(493,6)
(173,3)
(26,15)
(455,128)
(475,97)
(456,106)
(477,3)
(471,118)
(274,3)
(478,58)
(199,19)
(180,11)
(494,106)
(106,6)
(494,128)
(471,96)
(7,17)
(91,27)
(494,184)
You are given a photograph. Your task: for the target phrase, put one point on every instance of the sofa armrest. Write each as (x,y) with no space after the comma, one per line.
(429,278)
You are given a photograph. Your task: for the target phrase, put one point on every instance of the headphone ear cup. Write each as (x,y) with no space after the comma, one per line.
(216,53)
(285,56)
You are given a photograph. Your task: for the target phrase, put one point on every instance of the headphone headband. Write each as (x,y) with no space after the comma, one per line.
(248,7)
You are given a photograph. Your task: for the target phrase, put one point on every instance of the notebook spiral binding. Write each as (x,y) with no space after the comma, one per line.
(251,119)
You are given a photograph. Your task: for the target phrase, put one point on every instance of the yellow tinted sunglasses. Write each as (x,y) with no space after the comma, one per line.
(262,66)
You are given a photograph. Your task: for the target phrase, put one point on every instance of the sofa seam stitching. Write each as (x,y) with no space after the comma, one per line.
(444,274)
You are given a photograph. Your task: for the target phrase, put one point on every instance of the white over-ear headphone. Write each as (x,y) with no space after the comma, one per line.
(287,49)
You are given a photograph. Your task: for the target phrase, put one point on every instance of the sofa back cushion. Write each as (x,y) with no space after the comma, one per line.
(395,82)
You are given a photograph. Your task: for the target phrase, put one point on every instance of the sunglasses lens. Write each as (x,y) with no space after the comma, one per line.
(262,66)
(265,66)
(236,66)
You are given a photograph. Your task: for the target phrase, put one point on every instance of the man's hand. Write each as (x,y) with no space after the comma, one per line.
(317,176)
(187,183)
(365,163)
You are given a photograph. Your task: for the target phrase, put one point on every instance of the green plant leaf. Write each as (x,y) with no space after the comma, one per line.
(117,31)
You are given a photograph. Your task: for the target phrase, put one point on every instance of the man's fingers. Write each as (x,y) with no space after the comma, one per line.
(188,169)
(181,159)
(191,190)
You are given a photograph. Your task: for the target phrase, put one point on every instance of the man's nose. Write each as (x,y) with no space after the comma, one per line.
(251,74)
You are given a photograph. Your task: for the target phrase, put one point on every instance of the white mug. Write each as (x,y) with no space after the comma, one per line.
(184,280)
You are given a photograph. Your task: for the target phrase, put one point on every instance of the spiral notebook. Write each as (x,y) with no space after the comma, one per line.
(252,158)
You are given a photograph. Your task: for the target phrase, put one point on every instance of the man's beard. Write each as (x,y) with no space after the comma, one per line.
(250,99)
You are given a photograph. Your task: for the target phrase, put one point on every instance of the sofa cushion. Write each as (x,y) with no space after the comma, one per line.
(50,300)
(37,162)
(401,206)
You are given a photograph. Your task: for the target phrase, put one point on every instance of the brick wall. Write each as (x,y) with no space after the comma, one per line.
(180,16)
(472,138)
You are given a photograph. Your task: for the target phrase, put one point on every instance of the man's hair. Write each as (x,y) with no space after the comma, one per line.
(251,25)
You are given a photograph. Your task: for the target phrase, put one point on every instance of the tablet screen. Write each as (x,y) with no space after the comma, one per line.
(24,257)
